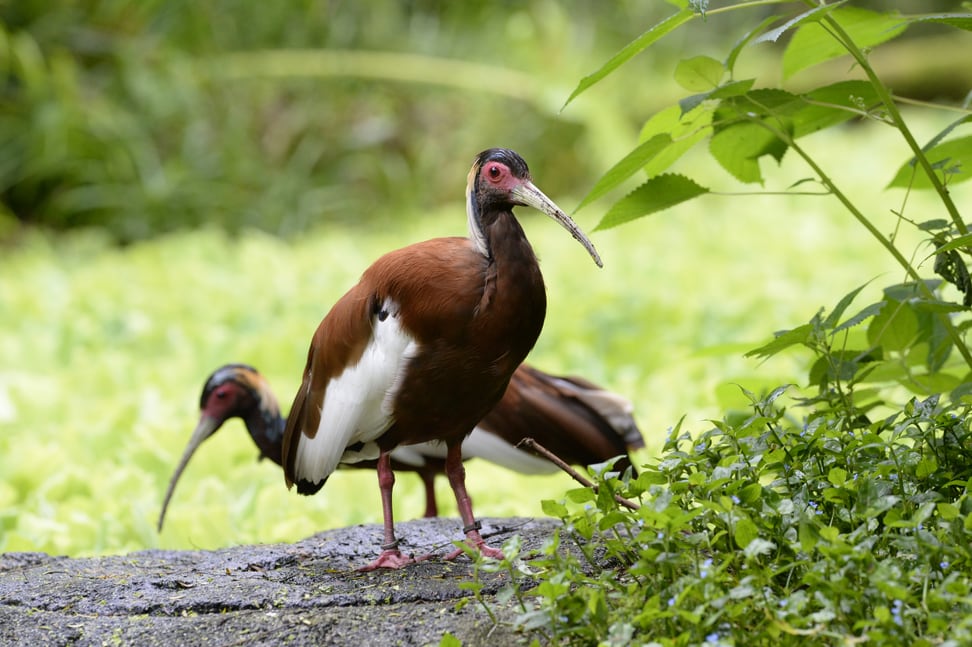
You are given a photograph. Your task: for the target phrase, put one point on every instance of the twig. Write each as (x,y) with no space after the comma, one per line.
(574,474)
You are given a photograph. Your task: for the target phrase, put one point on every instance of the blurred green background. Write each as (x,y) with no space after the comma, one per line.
(186,184)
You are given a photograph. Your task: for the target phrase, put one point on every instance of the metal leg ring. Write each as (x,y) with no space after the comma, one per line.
(475,525)
(390,546)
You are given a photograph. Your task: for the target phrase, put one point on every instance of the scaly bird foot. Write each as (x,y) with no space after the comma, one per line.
(393,558)
(477,544)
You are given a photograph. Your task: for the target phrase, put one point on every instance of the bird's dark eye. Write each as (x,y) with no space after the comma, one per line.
(221,394)
(494,172)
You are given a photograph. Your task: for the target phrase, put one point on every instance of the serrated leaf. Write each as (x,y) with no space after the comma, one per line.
(812,44)
(631,50)
(959,20)
(952,161)
(868,312)
(657,194)
(814,14)
(841,306)
(699,73)
(783,340)
(739,147)
(628,166)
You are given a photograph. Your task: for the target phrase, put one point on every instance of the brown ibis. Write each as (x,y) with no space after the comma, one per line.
(578,420)
(424,346)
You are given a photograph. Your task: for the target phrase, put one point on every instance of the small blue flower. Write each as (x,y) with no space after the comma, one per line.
(896,612)
(944,565)
(671,601)
(735,499)
(712,638)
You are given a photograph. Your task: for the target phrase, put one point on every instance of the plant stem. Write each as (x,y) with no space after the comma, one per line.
(888,100)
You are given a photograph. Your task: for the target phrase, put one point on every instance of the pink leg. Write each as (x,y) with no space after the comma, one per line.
(457,479)
(428,479)
(390,556)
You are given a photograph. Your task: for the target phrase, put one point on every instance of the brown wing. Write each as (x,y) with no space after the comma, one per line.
(575,419)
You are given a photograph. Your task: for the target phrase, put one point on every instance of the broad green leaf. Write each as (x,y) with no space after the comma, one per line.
(745,532)
(894,328)
(785,339)
(552,508)
(948,511)
(813,44)
(657,194)
(686,130)
(951,160)
(837,476)
(959,20)
(699,73)
(809,536)
(631,50)
(628,166)
(739,147)
(833,104)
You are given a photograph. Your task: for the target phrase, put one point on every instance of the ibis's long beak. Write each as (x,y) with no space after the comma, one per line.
(204,429)
(530,196)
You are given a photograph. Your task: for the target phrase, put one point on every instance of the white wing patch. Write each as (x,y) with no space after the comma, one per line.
(491,447)
(358,403)
(479,444)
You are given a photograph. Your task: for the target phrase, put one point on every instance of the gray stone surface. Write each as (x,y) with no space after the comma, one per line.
(306,593)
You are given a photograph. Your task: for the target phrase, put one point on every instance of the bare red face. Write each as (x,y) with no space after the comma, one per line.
(499,177)
(224,401)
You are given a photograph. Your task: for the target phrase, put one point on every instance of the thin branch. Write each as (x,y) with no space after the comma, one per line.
(574,474)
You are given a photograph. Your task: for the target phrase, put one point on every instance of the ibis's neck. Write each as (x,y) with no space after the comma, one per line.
(517,292)
(266,427)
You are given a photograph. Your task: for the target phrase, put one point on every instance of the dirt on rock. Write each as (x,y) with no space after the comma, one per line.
(306,593)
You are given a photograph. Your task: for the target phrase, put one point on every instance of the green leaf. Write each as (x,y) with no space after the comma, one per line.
(959,20)
(552,508)
(837,476)
(699,73)
(730,62)
(841,306)
(948,511)
(448,640)
(814,14)
(731,89)
(627,167)
(739,147)
(809,536)
(894,328)
(685,128)
(785,339)
(631,50)
(868,312)
(833,104)
(958,242)
(813,44)
(951,160)
(745,532)
(657,194)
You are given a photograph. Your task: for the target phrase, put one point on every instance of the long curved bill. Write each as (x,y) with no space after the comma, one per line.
(530,196)
(204,429)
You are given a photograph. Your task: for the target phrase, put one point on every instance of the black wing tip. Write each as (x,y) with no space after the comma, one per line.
(307,487)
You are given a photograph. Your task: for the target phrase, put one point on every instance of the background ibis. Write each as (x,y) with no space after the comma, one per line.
(577,420)
(424,346)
